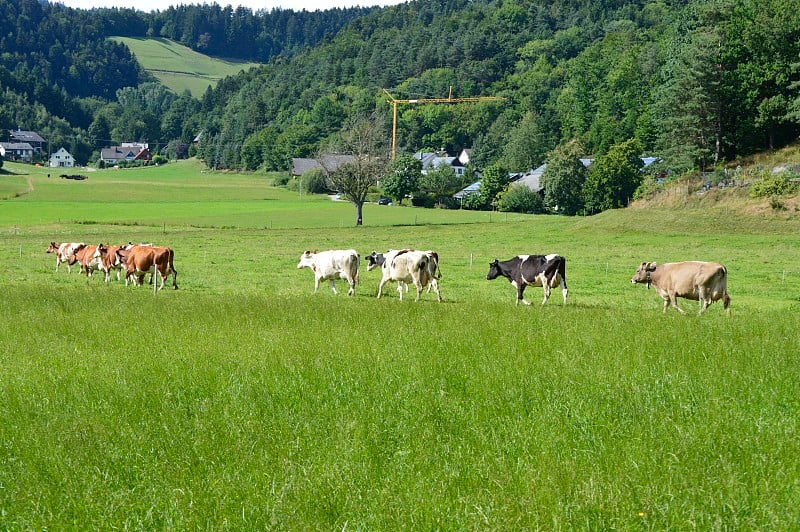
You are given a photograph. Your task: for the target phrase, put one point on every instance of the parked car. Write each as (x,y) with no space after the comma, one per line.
(384,201)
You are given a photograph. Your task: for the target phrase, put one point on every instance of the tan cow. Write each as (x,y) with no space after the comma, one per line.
(65,252)
(140,260)
(699,281)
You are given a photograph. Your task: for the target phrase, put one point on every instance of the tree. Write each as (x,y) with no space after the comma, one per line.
(614,177)
(494,182)
(519,198)
(564,178)
(363,138)
(527,143)
(440,181)
(402,178)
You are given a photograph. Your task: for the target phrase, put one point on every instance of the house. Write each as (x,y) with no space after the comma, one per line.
(17,151)
(128,151)
(62,159)
(35,140)
(433,160)
(531,179)
(327,165)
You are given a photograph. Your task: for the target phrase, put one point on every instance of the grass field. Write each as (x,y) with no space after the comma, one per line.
(243,400)
(181,68)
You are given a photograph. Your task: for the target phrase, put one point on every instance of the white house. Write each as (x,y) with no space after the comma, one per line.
(431,160)
(62,159)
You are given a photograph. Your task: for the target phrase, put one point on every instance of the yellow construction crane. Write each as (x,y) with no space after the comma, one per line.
(394,103)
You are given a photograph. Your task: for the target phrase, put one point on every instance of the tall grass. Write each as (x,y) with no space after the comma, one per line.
(244,401)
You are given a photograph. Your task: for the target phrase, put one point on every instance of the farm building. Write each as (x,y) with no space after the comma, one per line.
(328,164)
(36,142)
(16,151)
(128,151)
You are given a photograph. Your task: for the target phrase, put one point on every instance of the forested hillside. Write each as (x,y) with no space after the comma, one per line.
(695,82)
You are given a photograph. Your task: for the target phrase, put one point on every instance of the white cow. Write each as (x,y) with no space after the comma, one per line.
(410,266)
(332,265)
(65,252)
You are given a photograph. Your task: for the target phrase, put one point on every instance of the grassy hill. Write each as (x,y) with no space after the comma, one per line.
(179,67)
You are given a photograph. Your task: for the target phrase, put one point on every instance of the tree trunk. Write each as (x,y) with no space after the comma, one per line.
(359,212)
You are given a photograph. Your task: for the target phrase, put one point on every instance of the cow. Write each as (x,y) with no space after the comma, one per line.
(140,260)
(110,260)
(331,265)
(547,271)
(90,258)
(410,266)
(65,252)
(705,282)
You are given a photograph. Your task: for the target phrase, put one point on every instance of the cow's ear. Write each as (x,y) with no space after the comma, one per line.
(651,267)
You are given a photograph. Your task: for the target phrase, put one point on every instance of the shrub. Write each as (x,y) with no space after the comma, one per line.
(314,182)
(521,199)
(281,180)
(473,202)
(772,185)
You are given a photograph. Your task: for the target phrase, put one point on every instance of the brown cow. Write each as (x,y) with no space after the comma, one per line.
(90,259)
(148,259)
(109,260)
(65,252)
(699,281)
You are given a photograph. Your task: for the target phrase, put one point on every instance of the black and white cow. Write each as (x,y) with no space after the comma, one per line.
(407,266)
(547,271)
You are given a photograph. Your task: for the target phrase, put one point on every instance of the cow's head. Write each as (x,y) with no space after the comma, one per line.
(53,248)
(494,270)
(643,273)
(306,260)
(374,260)
(122,255)
(100,251)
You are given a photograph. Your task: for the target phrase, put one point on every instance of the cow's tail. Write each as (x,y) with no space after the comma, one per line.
(437,273)
(726,299)
(556,266)
(171,263)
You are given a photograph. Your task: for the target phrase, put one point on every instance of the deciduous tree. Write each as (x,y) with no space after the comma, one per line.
(364,139)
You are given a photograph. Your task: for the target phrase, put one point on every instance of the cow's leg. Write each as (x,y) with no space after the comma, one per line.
(674,302)
(352,283)
(420,288)
(333,287)
(435,285)
(564,289)
(174,278)
(380,287)
(520,290)
(545,287)
(400,289)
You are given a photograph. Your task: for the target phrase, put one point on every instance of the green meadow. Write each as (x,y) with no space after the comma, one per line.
(179,67)
(245,401)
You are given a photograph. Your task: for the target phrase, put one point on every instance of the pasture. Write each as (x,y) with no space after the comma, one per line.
(179,67)
(243,400)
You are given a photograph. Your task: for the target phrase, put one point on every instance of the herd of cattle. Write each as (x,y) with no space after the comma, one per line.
(705,282)
(134,259)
